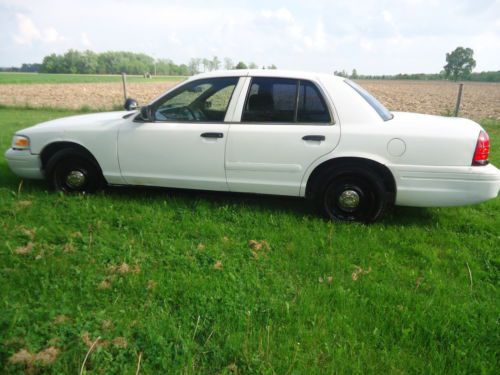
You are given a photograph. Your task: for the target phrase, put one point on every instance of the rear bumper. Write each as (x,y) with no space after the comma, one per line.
(24,164)
(445,186)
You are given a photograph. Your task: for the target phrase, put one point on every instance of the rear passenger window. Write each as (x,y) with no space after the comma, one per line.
(271,100)
(282,100)
(312,107)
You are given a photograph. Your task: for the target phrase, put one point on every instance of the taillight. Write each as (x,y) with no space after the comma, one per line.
(482,149)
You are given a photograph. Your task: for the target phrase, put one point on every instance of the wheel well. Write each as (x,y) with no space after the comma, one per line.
(321,172)
(51,149)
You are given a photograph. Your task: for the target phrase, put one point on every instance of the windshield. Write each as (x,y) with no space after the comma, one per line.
(375,104)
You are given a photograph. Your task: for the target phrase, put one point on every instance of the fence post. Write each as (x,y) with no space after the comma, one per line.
(459,98)
(124,80)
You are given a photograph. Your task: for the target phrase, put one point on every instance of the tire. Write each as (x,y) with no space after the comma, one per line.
(352,194)
(72,171)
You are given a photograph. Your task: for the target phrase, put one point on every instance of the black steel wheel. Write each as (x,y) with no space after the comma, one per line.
(353,196)
(73,172)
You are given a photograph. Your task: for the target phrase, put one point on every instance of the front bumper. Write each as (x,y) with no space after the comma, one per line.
(24,164)
(445,186)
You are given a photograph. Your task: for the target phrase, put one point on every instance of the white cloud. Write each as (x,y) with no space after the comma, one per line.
(320,36)
(281,14)
(380,37)
(318,39)
(366,45)
(84,38)
(486,46)
(282,22)
(51,35)
(174,39)
(387,17)
(28,32)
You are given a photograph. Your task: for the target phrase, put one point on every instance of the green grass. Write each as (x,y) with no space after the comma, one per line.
(28,78)
(413,309)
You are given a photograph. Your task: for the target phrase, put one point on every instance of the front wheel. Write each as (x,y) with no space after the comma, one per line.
(353,197)
(73,173)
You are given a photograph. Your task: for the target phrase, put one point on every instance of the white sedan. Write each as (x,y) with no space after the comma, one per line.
(268,132)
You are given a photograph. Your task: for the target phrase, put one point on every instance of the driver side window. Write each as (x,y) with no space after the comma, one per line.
(204,100)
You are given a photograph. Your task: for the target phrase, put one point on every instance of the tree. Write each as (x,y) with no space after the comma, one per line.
(272,67)
(206,64)
(182,70)
(228,63)
(354,74)
(30,67)
(342,73)
(215,63)
(194,66)
(87,63)
(459,63)
(52,64)
(241,65)
(253,65)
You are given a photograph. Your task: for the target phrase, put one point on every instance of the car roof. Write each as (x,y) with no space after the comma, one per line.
(265,73)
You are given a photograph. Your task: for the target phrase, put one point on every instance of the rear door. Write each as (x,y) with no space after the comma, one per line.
(284,126)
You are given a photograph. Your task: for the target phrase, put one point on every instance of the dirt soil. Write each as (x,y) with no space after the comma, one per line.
(78,95)
(479,101)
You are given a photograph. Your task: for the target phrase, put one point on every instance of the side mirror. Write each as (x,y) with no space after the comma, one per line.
(146,113)
(131,104)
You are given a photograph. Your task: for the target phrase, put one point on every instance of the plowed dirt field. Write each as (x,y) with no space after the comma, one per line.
(480,100)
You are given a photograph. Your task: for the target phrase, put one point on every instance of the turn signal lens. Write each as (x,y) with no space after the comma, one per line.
(20,142)
(482,149)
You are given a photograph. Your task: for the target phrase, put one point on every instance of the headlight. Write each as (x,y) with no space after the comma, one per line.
(20,142)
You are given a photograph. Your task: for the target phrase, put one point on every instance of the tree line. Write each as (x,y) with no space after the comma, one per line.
(26,68)
(491,76)
(116,62)
(198,65)
(459,65)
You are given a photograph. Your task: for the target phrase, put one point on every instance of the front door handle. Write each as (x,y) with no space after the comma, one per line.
(318,138)
(212,135)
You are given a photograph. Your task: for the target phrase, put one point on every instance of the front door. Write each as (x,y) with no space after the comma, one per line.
(183,144)
(285,126)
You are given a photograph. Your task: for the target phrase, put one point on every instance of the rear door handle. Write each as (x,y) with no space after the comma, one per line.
(212,135)
(314,138)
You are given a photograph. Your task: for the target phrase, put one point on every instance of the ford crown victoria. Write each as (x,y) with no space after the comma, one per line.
(310,135)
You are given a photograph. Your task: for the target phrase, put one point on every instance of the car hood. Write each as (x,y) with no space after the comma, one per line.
(87,121)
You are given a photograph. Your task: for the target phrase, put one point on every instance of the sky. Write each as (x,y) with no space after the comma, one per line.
(372,36)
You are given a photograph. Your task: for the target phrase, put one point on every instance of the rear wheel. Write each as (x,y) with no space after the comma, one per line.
(353,194)
(70,171)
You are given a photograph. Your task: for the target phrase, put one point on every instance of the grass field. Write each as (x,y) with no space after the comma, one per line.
(170,277)
(33,78)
